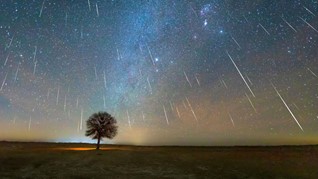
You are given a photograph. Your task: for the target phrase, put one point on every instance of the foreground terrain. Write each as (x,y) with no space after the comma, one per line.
(48,160)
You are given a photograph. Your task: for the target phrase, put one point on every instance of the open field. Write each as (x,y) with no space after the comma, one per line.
(49,160)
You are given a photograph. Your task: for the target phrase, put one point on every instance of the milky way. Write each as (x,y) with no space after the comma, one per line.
(207,72)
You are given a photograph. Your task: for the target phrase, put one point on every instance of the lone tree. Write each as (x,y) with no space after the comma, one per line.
(101,125)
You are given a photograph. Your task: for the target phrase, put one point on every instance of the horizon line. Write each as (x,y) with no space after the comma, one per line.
(272,145)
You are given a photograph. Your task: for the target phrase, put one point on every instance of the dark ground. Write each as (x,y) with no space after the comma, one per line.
(48,160)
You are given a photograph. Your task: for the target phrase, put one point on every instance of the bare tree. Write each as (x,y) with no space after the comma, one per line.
(101,125)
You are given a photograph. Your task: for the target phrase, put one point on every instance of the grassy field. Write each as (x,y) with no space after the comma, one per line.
(48,160)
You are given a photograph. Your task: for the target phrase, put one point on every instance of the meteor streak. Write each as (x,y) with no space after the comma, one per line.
(250,102)
(128,117)
(312,72)
(309,11)
(81,124)
(196,78)
(5,62)
(57,95)
(186,76)
(291,113)
(178,112)
(149,85)
(264,28)
(150,54)
(89,5)
(236,42)
(289,24)
(16,73)
(97,12)
(231,119)
(238,70)
(309,25)
(104,79)
(41,8)
(164,110)
(10,43)
(193,113)
(4,81)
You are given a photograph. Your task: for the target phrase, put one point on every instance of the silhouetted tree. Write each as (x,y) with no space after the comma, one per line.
(101,125)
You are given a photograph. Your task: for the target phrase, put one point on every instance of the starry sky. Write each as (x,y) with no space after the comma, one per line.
(172,72)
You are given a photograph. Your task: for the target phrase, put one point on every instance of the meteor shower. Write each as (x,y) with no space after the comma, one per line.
(158,88)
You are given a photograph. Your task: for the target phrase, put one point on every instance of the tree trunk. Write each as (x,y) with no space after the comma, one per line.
(98,142)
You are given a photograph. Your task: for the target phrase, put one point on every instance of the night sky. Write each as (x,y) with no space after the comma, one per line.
(172,72)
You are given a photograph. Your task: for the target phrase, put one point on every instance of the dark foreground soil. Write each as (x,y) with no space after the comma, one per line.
(47,160)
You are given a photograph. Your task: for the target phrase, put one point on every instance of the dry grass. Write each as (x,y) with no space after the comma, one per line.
(45,160)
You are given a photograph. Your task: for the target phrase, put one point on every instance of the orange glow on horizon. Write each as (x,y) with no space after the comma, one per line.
(86,148)
(80,148)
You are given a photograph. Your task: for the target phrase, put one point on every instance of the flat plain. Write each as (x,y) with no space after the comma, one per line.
(63,160)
